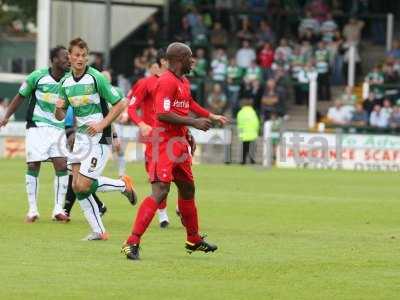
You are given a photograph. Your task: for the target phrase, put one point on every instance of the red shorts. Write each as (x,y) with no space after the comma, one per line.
(173,162)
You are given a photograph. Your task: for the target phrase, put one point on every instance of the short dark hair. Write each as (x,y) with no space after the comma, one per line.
(160,55)
(54,51)
(78,42)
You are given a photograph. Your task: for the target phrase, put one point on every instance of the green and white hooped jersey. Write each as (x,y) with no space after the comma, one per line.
(42,89)
(89,97)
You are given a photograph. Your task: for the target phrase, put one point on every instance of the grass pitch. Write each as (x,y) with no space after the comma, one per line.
(282,234)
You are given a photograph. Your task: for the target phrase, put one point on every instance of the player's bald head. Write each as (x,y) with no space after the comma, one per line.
(176,51)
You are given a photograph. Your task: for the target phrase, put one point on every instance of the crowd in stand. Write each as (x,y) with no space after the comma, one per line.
(381,108)
(255,62)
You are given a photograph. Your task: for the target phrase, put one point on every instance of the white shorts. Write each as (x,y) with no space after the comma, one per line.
(42,143)
(92,157)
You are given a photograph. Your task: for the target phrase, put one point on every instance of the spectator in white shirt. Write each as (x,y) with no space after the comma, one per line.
(338,115)
(245,55)
(219,65)
(378,118)
(283,51)
(308,23)
(328,28)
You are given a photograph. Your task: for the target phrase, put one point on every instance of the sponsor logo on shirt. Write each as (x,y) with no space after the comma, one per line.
(180,104)
(167,104)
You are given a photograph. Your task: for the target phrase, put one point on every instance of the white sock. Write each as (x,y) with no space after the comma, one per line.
(109,185)
(92,214)
(32,189)
(121,165)
(162,215)
(60,189)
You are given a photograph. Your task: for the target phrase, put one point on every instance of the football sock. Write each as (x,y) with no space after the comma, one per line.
(188,211)
(32,189)
(143,219)
(91,212)
(121,165)
(106,184)
(60,190)
(98,201)
(70,197)
(162,211)
(162,215)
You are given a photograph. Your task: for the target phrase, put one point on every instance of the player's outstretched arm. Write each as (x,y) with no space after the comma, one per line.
(199,123)
(11,109)
(115,111)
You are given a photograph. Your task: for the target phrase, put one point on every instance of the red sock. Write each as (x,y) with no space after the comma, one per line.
(163,204)
(188,211)
(143,219)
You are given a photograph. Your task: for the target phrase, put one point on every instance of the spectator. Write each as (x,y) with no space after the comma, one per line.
(359,116)
(322,64)
(234,77)
(370,102)
(306,51)
(219,65)
(280,63)
(376,78)
(395,117)
(348,97)
(254,91)
(395,52)
(245,55)
(378,118)
(184,34)
(389,72)
(253,72)
(303,83)
(248,126)
(283,51)
(318,9)
(265,34)
(199,32)
(201,66)
(328,29)
(153,29)
(265,60)
(352,31)
(150,52)
(308,24)
(139,67)
(245,32)
(273,100)
(296,62)
(217,101)
(337,115)
(218,36)
(387,108)
(98,62)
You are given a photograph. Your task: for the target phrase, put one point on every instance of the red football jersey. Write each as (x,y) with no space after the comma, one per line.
(173,95)
(141,96)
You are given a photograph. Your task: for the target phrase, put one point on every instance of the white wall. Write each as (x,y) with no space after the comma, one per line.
(70,20)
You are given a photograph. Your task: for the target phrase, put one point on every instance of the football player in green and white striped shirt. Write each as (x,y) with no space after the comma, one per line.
(89,93)
(43,131)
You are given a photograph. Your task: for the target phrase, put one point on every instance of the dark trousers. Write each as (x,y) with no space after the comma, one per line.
(324,87)
(248,149)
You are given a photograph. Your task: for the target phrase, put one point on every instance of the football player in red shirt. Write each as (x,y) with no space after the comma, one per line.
(170,157)
(141,97)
